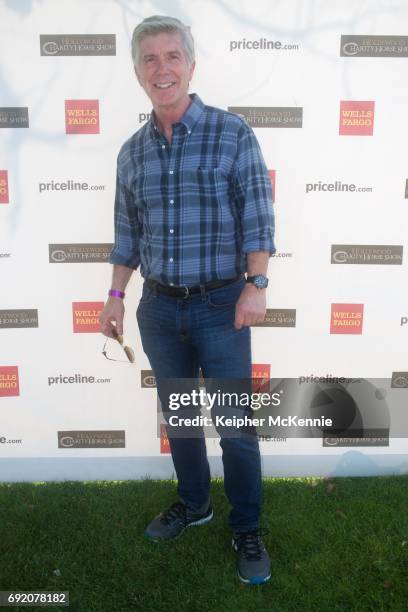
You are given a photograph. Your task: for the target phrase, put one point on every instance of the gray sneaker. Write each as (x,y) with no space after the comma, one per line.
(172,522)
(254,566)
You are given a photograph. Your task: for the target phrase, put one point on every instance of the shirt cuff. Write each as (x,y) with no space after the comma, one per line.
(267,246)
(130,262)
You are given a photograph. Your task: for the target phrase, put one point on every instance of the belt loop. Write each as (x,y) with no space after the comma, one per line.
(202,291)
(153,286)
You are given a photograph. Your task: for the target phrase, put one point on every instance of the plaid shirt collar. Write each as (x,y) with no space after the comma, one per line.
(189,119)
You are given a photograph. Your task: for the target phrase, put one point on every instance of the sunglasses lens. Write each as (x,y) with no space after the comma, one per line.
(113,352)
(129,354)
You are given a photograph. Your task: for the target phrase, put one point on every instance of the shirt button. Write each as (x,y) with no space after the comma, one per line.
(171,260)
(163,146)
(188,131)
(171,284)
(172,231)
(171,172)
(171,201)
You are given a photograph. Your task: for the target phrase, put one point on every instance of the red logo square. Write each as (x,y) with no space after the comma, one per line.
(356,118)
(261,373)
(82,116)
(86,317)
(347,318)
(4,190)
(164,441)
(9,383)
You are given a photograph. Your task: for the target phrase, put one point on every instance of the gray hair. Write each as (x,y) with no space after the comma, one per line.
(158,24)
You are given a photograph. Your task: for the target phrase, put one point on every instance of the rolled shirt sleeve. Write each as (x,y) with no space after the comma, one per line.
(253,194)
(127,227)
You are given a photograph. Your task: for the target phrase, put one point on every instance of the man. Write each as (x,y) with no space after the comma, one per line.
(193,209)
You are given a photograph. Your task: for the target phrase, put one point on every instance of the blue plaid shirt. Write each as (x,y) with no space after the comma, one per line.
(189,212)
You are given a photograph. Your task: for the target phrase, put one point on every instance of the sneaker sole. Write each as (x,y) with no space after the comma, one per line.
(202,521)
(254,580)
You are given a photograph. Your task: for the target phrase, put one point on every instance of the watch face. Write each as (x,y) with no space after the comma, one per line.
(260,281)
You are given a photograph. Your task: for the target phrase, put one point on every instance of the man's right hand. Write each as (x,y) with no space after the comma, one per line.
(111,317)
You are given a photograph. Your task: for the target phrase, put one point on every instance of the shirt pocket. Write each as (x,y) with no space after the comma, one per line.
(204,186)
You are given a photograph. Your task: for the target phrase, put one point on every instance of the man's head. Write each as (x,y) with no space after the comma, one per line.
(157,24)
(163,57)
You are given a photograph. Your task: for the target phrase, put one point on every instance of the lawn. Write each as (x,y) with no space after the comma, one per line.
(335,545)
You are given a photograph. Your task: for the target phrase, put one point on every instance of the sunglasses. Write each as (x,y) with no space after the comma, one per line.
(127,350)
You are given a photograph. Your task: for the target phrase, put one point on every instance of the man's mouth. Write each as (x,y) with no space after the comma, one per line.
(163,85)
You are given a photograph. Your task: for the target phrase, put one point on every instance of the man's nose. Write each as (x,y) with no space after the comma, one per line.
(162,65)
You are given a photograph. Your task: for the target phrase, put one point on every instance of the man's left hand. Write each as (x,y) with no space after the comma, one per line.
(251,307)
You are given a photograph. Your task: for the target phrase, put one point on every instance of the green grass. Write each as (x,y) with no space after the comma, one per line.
(342,549)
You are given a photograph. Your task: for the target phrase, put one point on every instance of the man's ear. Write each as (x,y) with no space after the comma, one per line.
(192,70)
(136,73)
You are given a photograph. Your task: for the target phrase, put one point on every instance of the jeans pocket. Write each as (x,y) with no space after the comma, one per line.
(225,297)
(148,294)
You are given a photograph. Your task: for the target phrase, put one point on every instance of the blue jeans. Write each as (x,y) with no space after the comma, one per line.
(179,336)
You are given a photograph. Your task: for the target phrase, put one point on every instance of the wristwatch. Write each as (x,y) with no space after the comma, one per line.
(259,280)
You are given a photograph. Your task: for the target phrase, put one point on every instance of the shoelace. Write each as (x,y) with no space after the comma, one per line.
(250,543)
(176,511)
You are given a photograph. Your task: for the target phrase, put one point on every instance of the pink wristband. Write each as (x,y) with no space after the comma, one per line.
(115,293)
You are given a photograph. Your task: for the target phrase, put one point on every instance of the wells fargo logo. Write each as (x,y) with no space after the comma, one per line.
(261,370)
(9,384)
(356,118)
(347,318)
(272,176)
(261,373)
(82,116)
(164,441)
(86,316)
(4,192)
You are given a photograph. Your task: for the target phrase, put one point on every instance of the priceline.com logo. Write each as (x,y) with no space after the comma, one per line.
(261,43)
(335,186)
(75,379)
(68,185)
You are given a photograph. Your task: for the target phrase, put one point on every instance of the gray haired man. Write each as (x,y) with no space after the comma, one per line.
(193,210)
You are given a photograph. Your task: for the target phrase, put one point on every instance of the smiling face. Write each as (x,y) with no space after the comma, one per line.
(164,72)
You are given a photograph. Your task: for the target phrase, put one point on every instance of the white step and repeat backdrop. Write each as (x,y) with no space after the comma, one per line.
(324,86)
